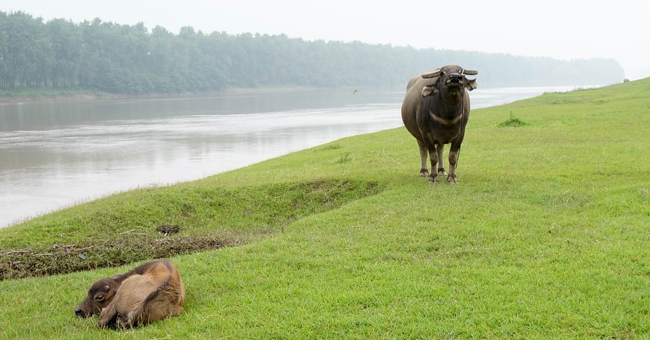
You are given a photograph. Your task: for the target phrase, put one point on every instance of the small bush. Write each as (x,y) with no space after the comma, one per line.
(513,122)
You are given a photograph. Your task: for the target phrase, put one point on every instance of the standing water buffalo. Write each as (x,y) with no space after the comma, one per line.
(435,111)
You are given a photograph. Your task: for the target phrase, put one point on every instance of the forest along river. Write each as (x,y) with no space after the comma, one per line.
(57,154)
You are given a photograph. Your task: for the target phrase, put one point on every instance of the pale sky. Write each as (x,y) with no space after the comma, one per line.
(549,28)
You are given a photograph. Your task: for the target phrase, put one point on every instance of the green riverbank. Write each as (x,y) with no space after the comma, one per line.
(545,236)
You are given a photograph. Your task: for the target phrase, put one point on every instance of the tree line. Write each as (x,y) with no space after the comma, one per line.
(132,59)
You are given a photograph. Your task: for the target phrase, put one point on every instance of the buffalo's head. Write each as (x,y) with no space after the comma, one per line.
(100,294)
(449,79)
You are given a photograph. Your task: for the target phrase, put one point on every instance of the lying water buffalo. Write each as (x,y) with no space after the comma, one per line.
(435,111)
(150,292)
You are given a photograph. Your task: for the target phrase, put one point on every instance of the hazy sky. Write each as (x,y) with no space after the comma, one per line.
(550,28)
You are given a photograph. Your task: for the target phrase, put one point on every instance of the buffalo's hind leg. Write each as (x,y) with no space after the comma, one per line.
(440,147)
(424,153)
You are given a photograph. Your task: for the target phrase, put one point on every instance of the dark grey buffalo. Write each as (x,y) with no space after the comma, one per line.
(435,111)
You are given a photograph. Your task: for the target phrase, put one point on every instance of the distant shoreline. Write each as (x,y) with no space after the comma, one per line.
(82,96)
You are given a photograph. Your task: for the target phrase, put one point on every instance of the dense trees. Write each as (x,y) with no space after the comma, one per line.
(131,59)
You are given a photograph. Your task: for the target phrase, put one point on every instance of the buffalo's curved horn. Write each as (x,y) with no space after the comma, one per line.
(470,72)
(432,74)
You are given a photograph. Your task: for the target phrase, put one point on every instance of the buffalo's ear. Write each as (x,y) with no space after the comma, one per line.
(471,84)
(429,90)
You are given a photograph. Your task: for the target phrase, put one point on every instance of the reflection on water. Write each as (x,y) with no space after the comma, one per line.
(57,154)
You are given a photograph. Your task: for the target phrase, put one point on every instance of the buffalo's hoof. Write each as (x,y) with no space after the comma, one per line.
(424,173)
(452,179)
(434,178)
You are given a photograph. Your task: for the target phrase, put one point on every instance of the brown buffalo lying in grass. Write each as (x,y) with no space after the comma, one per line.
(150,292)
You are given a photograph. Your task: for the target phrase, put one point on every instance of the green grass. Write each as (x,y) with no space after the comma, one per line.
(546,236)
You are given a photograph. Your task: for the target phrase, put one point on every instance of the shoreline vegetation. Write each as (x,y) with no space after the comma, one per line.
(105,57)
(545,236)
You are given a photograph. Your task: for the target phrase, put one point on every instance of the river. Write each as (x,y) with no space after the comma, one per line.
(57,154)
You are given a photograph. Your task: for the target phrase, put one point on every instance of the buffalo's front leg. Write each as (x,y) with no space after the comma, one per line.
(108,317)
(433,177)
(453,163)
(430,143)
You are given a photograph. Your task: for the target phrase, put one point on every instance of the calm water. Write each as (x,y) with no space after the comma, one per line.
(54,155)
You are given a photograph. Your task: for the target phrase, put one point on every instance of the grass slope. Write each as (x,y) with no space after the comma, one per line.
(546,236)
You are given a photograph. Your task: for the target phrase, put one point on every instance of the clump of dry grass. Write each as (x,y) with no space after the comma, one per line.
(20,263)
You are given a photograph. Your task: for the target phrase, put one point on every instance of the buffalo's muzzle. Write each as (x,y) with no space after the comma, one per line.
(79,312)
(454,78)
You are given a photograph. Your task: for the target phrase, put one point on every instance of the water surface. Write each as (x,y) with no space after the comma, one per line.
(57,154)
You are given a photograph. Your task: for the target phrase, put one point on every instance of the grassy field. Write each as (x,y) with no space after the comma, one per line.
(547,235)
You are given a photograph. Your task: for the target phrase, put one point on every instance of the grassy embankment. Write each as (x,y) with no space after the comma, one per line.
(546,236)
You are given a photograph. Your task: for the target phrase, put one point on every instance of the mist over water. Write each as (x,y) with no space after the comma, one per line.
(57,154)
